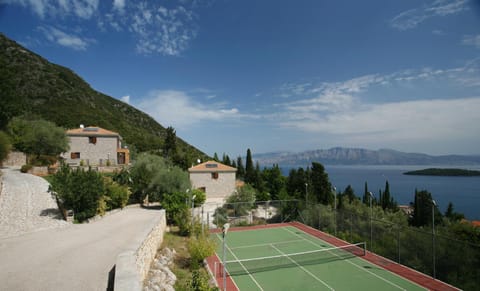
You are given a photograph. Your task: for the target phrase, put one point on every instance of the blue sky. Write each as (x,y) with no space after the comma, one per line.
(275,75)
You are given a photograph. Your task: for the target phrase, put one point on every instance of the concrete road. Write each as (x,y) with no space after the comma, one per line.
(75,257)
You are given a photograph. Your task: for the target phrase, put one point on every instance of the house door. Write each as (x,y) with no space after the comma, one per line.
(121,158)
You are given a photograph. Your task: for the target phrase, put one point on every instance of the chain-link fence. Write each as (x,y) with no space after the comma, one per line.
(248,213)
(454,261)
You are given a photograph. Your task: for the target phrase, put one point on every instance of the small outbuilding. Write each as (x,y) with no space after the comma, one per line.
(215,179)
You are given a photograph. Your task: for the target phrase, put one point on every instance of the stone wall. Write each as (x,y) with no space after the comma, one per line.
(220,187)
(132,265)
(93,154)
(15,159)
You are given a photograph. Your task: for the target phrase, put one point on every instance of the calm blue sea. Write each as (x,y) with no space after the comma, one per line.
(463,192)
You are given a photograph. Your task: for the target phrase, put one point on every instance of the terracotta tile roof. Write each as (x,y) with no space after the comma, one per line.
(211,166)
(476,223)
(91,131)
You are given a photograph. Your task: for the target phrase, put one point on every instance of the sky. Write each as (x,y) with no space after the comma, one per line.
(275,75)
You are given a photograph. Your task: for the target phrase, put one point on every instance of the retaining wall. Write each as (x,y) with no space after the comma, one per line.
(15,159)
(132,265)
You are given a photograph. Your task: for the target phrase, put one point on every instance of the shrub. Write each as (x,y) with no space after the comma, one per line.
(26,168)
(183,220)
(174,203)
(117,194)
(199,249)
(79,190)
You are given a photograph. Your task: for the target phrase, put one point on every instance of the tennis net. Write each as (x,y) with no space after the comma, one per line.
(262,264)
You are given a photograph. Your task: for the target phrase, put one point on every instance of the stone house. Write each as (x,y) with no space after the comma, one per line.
(95,146)
(215,179)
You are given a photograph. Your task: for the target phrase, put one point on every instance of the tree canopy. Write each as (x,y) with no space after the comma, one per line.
(37,137)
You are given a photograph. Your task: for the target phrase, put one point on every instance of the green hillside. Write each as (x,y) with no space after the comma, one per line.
(29,84)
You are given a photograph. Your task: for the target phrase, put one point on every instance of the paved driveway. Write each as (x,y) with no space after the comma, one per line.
(67,257)
(77,257)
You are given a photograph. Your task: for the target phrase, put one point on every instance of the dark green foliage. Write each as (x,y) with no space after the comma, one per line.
(183,220)
(451,215)
(30,85)
(226,160)
(116,193)
(5,146)
(200,282)
(386,200)
(249,169)
(444,172)
(274,182)
(366,195)
(38,137)
(79,190)
(240,169)
(154,176)
(174,203)
(200,247)
(349,194)
(422,210)
(26,168)
(321,187)
(170,143)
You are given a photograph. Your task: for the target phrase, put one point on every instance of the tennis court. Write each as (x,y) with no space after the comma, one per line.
(288,258)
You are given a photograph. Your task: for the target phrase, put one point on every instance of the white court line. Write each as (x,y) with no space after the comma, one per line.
(303,268)
(360,267)
(250,275)
(266,244)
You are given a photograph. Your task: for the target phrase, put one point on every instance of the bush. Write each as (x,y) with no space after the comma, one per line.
(79,190)
(183,219)
(26,168)
(200,282)
(200,248)
(117,194)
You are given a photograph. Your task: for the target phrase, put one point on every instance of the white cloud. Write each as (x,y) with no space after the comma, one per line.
(64,39)
(156,29)
(378,109)
(410,121)
(473,40)
(119,5)
(412,18)
(162,30)
(60,8)
(126,99)
(178,109)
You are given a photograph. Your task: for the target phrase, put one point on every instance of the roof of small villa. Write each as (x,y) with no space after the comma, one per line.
(211,167)
(91,131)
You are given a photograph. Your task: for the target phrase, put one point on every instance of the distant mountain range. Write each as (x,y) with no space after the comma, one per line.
(357,156)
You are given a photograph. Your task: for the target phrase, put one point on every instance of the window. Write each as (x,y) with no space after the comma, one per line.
(74,156)
(92,139)
(215,175)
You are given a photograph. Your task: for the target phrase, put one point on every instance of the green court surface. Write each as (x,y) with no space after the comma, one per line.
(309,264)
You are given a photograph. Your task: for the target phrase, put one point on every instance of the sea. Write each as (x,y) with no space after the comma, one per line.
(463,192)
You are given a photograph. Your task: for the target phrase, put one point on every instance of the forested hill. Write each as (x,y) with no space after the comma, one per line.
(31,85)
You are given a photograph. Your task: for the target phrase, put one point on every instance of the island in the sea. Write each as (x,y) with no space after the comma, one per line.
(444,172)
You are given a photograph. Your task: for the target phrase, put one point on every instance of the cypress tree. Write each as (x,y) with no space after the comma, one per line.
(240,168)
(249,169)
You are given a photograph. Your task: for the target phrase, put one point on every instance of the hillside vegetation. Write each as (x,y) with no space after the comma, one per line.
(444,172)
(30,85)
